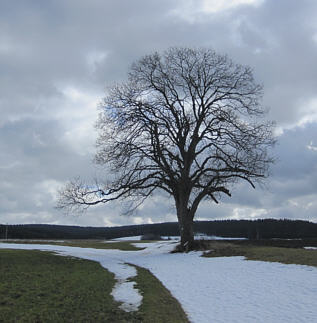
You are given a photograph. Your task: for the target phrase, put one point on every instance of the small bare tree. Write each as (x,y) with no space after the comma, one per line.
(188,122)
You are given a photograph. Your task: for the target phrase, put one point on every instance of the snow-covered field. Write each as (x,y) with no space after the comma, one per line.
(227,289)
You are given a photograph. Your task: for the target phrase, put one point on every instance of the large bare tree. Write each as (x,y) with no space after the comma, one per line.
(188,122)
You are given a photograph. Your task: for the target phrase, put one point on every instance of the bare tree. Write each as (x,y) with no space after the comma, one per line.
(188,122)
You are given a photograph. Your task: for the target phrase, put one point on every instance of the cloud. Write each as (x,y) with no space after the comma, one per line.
(194,11)
(57,57)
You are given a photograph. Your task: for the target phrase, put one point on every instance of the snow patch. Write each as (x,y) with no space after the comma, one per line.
(202,236)
(123,290)
(126,293)
(127,238)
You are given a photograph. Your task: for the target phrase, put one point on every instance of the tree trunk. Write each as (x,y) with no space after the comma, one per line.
(185,222)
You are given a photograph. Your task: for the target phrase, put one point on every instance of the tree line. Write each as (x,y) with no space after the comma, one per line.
(250,229)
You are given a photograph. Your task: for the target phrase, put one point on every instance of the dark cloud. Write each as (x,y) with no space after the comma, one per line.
(56,57)
(291,190)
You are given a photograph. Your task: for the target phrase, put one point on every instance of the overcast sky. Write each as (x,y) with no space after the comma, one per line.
(58,56)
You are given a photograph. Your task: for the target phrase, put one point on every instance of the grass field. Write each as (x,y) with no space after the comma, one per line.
(38,286)
(283,251)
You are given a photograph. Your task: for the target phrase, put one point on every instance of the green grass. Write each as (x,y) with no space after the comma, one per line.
(158,304)
(37,286)
(256,251)
(97,244)
(284,255)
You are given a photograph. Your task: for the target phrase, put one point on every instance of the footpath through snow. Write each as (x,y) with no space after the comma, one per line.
(226,289)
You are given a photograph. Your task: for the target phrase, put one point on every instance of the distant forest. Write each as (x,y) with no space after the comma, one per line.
(257,229)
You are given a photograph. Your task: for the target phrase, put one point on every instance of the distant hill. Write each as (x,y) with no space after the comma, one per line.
(257,229)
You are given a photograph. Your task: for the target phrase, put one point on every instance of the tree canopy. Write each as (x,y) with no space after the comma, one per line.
(187,121)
